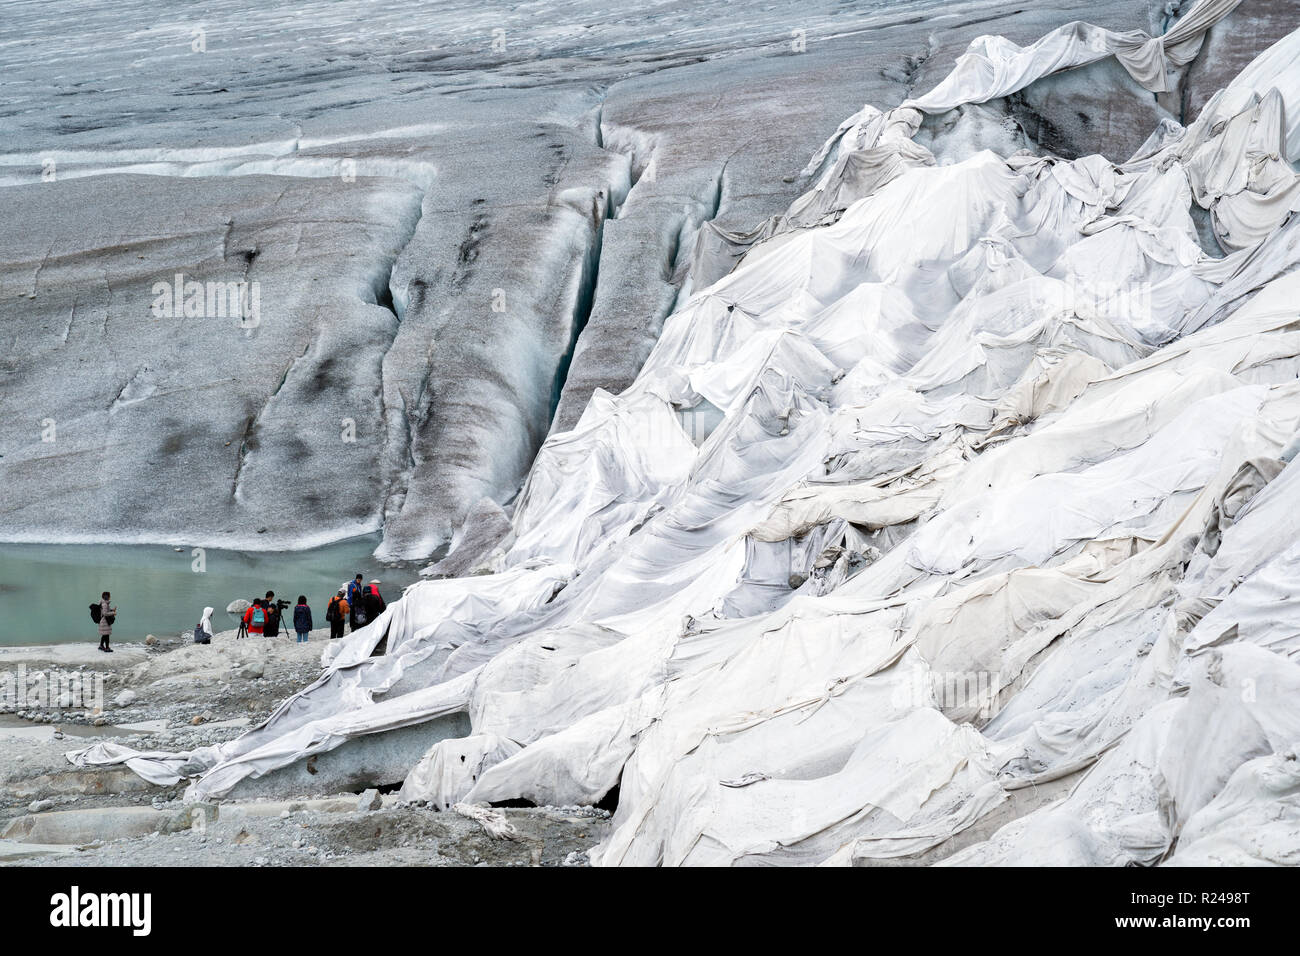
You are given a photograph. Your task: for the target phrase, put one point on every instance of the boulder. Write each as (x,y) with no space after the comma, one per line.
(249,670)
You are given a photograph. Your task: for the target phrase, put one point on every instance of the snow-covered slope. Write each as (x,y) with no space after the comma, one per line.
(956,523)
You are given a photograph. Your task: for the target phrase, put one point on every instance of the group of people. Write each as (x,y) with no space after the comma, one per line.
(356,603)
(265,615)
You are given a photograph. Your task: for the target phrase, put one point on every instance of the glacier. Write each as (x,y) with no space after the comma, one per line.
(948,509)
(420,191)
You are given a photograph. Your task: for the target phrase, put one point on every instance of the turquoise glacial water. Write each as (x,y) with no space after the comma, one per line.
(46,590)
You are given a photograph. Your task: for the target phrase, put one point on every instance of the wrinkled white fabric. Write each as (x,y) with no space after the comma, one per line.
(994,66)
(451,768)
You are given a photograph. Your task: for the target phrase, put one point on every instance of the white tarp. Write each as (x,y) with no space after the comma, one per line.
(994,66)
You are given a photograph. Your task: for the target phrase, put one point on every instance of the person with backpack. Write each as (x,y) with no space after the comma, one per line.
(302,619)
(255,618)
(336,613)
(355,594)
(374,603)
(104,614)
(203,630)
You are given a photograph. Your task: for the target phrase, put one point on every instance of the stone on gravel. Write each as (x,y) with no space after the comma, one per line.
(250,670)
(126,698)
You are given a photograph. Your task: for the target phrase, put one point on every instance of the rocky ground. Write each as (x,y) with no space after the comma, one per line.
(172,695)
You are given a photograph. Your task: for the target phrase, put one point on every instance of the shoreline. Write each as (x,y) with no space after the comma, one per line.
(257,543)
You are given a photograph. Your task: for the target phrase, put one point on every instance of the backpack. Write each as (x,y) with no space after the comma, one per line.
(200,635)
(95,611)
(332,612)
(361,613)
(259,616)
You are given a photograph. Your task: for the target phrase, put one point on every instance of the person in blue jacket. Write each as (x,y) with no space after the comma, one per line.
(356,619)
(302,619)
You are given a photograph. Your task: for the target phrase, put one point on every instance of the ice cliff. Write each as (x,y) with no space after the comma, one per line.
(461,217)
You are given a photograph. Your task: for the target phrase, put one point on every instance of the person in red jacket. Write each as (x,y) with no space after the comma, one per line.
(255,617)
(373,602)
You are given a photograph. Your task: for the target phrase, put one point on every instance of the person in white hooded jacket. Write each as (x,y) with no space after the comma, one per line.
(203,630)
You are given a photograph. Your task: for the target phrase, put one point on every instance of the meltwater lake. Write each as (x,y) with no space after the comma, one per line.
(46,590)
